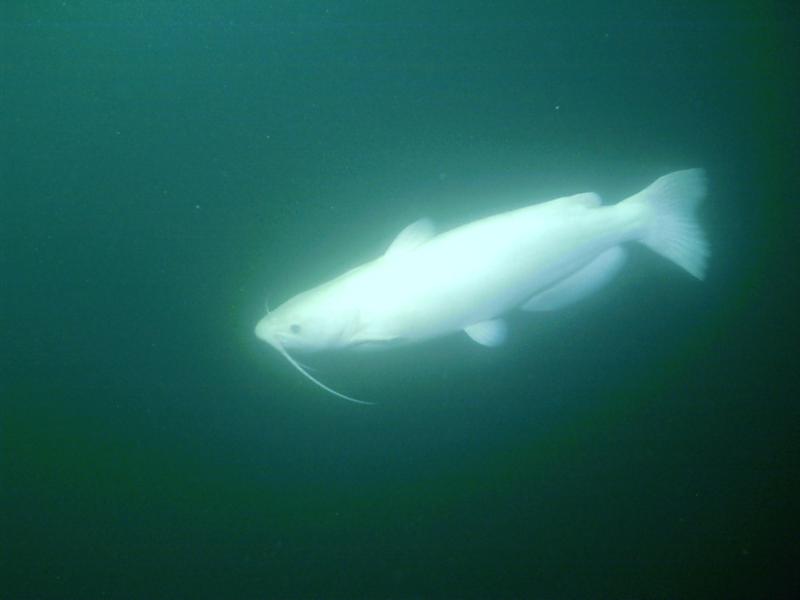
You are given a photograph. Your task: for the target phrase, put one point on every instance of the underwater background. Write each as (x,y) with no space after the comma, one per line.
(167,167)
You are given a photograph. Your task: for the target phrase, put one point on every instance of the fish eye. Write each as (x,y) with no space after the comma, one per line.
(294,328)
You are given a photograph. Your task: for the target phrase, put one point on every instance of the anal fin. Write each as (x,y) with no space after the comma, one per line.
(584,282)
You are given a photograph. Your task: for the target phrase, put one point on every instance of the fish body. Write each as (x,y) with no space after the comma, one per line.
(539,257)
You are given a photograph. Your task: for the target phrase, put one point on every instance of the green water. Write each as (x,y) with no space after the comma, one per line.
(167,167)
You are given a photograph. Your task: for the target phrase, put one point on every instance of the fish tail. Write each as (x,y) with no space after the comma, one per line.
(670,227)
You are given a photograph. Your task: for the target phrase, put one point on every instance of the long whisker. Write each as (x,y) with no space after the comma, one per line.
(306,374)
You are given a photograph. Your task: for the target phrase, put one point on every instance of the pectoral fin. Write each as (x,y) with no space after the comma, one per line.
(580,284)
(488,333)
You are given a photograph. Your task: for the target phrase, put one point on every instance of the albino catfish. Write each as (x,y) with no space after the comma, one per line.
(537,258)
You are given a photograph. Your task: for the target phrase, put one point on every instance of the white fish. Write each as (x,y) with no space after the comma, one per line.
(540,257)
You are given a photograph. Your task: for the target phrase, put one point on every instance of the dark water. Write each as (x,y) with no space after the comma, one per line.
(166,167)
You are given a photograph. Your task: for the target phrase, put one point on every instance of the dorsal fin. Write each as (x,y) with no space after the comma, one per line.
(412,237)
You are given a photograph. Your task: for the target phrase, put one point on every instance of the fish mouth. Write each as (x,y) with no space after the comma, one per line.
(263,332)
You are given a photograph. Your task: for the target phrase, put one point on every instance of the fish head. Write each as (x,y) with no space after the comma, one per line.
(305,323)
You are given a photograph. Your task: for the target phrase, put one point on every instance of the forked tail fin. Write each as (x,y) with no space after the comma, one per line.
(670,227)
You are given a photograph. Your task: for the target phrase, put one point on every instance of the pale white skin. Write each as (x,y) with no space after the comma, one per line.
(429,285)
